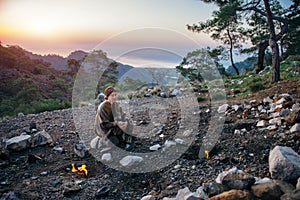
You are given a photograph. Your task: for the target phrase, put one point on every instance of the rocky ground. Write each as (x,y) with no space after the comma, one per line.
(42,167)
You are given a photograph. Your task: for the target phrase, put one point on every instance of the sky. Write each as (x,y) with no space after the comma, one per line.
(131,31)
(62,26)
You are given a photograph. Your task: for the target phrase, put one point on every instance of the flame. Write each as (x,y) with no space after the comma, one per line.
(83,168)
(206,154)
(73,168)
(80,169)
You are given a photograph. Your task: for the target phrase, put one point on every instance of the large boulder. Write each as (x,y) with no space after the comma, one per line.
(284,163)
(41,138)
(18,143)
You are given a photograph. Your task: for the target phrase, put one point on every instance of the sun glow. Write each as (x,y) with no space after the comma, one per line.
(40,28)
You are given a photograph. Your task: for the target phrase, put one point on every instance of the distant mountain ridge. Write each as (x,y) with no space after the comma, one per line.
(57,61)
(243,65)
(61,63)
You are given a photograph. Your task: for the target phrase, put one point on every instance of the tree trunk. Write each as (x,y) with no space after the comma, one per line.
(273,44)
(275,60)
(231,53)
(261,55)
(281,49)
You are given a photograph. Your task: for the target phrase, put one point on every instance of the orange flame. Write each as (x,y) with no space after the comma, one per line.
(80,169)
(206,154)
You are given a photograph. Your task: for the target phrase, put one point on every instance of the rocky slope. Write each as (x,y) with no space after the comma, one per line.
(41,168)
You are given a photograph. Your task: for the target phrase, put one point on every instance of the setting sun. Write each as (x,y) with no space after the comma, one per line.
(40,28)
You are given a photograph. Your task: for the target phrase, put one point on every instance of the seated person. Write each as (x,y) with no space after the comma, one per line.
(111,119)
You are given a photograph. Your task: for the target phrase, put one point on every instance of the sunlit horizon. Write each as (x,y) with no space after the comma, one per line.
(61,27)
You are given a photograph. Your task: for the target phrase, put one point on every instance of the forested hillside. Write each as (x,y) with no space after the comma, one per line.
(31,86)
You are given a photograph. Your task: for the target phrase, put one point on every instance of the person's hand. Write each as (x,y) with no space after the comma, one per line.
(122,125)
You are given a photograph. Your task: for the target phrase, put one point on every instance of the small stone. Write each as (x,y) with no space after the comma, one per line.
(44,173)
(177,166)
(267,100)
(99,142)
(220,177)
(264,180)
(148,197)
(155,147)
(179,141)
(295,128)
(285,113)
(286,96)
(34,177)
(102,192)
(213,188)
(275,121)
(266,191)
(239,181)
(272,127)
(187,133)
(106,157)
(275,115)
(170,187)
(56,182)
(296,106)
(261,123)
(80,149)
(281,101)
(236,107)
(223,108)
(169,143)
(70,187)
(20,115)
(58,149)
(298,184)
(294,117)
(129,161)
(182,193)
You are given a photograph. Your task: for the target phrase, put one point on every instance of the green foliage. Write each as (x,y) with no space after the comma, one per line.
(199,66)
(38,69)
(46,105)
(201,99)
(218,96)
(255,87)
(30,86)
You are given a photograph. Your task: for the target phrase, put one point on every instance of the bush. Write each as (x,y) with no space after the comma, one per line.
(218,96)
(200,99)
(46,105)
(6,108)
(255,87)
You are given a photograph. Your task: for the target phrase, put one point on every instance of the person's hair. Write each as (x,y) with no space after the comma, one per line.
(108,92)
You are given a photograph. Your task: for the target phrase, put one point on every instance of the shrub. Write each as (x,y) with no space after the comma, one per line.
(46,105)
(201,98)
(254,87)
(218,96)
